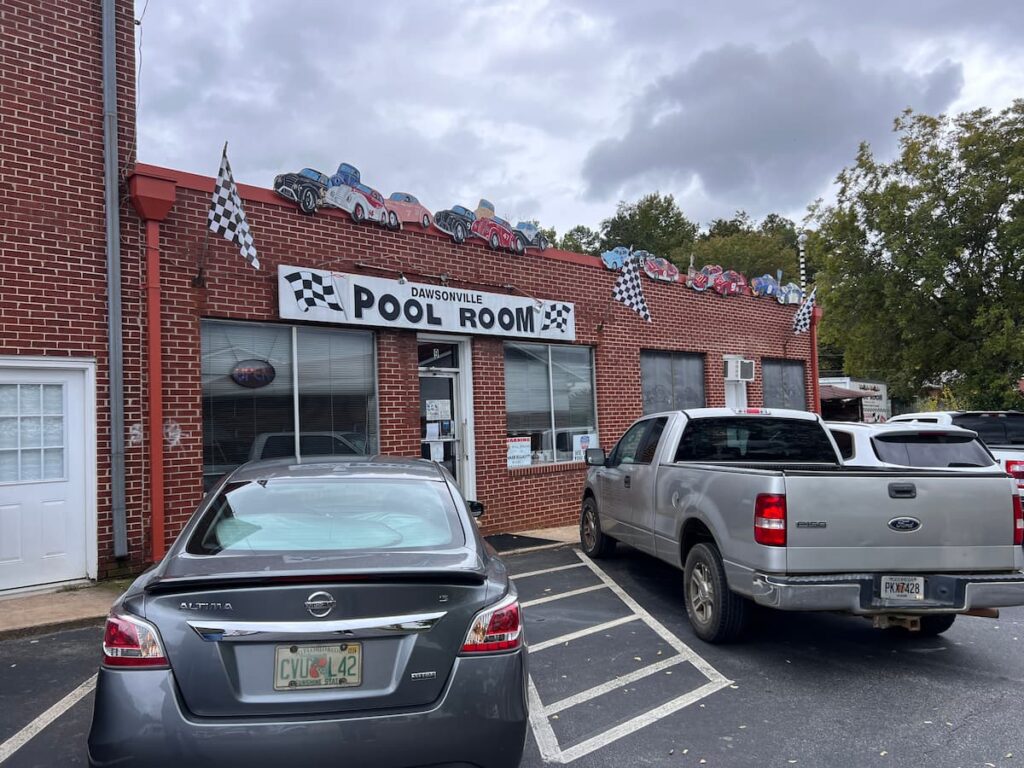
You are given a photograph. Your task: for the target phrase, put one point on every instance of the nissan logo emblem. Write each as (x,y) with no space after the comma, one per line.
(319,604)
(904,524)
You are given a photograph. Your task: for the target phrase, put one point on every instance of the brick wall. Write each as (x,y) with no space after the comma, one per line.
(516,499)
(52,236)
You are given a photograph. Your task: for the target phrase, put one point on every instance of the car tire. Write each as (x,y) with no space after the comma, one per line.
(593,541)
(307,201)
(519,246)
(459,233)
(936,625)
(358,214)
(425,221)
(716,613)
(393,222)
(543,244)
(493,241)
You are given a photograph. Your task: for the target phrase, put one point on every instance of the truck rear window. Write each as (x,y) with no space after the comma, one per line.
(931,450)
(994,428)
(757,439)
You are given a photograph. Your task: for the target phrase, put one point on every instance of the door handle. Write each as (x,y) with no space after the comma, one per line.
(902,491)
(627,480)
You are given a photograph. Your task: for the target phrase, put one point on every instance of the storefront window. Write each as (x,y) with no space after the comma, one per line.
(549,399)
(784,384)
(671,381)
(249,393)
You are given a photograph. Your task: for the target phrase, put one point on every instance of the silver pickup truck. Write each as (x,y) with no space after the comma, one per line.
(756,506)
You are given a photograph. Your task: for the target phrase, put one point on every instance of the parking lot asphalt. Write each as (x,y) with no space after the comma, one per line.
(800,690)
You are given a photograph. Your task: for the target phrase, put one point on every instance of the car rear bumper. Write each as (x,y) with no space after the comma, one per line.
(859,593)
(480,720)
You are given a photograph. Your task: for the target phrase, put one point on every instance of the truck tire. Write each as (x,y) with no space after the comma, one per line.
(593,541)
(936,625)
(716,613)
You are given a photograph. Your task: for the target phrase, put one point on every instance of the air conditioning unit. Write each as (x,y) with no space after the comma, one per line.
(738,370)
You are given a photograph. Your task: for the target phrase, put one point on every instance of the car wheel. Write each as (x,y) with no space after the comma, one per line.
(543,244)
(717,614)
(393,222)
(936,625)
(425,221)
(358,214)
(519,246)
(307,201)
(459,233)
(593,541)
(493,241)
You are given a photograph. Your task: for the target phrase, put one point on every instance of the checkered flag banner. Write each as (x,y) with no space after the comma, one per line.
(802,318)
(226,217)
(312,290)
(556,316)
(629,291)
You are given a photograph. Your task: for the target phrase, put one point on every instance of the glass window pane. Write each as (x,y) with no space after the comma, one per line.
(573,390)
(31,432)
(687,381)
(31,465)
(671,381)
(30,402)
(53,463)
(783,382)
(337,392)
(53,399)
(8,432)
(528,397)
(437,355)
(53,431)
(8,399)
(8,466)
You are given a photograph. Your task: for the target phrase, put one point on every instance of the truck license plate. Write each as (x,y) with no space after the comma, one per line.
(318,666)
(902,588)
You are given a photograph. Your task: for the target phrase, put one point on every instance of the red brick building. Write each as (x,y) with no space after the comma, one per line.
(224,363)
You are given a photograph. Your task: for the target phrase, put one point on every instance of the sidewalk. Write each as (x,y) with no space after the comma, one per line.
(42,612)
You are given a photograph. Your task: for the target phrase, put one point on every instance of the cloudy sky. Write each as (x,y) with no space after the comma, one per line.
(557,109)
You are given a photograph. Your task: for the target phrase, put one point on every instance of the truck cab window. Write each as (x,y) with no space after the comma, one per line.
(649,448)
(626,450)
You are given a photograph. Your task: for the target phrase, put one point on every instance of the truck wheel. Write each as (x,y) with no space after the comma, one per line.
(593,541)
(936,625)
(717,614)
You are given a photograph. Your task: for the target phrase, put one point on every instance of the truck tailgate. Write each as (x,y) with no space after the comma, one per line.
(954,522)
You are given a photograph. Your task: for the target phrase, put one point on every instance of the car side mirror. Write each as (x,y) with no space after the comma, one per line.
(476,508)
(595,457)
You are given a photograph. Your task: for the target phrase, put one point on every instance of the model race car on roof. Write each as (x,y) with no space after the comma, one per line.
(408,209)
(499,234)
(455,221)
(307,188)
(533,236)
(346,191)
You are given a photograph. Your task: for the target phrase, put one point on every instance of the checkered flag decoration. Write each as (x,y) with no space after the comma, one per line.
(556,316)
(802,318)
(311,290)
(629,291)
(226,217)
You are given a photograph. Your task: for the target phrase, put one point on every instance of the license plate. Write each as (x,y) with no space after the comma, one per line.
(903,587)
(318,666)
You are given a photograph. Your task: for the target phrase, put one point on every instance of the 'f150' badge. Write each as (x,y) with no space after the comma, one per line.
(904,523)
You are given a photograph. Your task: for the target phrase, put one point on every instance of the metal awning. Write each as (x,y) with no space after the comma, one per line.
(832,392)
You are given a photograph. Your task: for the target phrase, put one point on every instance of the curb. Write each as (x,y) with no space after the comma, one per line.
(49,628)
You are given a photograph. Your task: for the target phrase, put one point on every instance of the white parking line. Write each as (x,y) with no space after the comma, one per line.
(548,570)
(550,750)
(561,595)
(26,734)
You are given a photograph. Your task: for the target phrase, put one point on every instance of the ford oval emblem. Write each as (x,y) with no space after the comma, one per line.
(904,523)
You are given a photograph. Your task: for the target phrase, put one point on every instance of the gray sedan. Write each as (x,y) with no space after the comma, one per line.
(337,611)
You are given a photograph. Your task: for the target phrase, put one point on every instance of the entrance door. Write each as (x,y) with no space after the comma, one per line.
(42,477)
(440,417)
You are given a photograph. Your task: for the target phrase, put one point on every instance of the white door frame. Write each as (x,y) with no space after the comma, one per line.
(464,385)
(87,367)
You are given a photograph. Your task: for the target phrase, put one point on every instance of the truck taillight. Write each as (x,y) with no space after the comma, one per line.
(770,520)
(132,642)
(494,629)
(1015,469)
(1018,520)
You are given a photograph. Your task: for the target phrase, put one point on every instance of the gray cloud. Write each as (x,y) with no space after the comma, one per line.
(763,129)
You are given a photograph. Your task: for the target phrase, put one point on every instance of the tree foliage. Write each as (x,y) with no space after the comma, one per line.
(581,239)
(923,258)
(653,223)
(741,244)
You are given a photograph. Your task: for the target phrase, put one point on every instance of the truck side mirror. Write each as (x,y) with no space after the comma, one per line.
(595,457)
(476,508)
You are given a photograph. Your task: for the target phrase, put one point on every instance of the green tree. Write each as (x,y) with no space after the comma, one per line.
(923,268)
(738,243)
(653,223)
(550,234)
(581,239)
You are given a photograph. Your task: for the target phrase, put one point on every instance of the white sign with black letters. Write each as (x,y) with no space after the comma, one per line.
(341,297)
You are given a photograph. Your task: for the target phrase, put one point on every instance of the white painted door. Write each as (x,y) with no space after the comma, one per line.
(42,477)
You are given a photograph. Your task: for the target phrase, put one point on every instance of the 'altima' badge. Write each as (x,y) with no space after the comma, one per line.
(319,604)
(423,675)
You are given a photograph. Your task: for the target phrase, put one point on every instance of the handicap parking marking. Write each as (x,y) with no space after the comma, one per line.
(540,713)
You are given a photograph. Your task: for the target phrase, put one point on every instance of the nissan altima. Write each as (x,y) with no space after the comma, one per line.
(330,612)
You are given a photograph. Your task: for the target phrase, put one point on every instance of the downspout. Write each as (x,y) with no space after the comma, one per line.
(816,314)
(115,365)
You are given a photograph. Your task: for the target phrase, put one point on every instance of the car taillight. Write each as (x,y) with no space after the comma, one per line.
(132,642)
(1015,469)
(498,628)
(770,520)
(1018,520)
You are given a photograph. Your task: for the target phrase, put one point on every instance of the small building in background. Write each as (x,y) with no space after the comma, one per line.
(867,400)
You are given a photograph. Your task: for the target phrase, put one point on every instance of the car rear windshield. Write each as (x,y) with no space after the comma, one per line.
(931,450)
(757,439)
(328,515)
(994,428)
